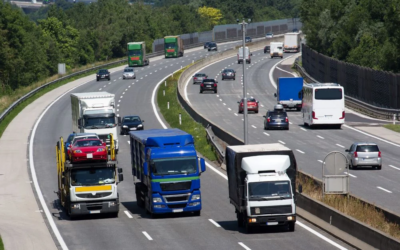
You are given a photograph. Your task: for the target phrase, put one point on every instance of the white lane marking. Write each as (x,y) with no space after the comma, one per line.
(303,129)
(151,73)
(284,70)
(378,138)
(236,114)
(127,89)
(124,92)
(100,89)
(350,175)
(117,110)
(117,105)
(320,137)
(147,235)
(220,100)
(130,85)
(145,76)
(340,145)
(262,105)
(381,188)
(115,80)
(265,133)
(224,104)
(281,142)
(290,123)
(129,142)
(320,235)
(105,86)
(244,246)
(298,150)
(215,223)
(253,126)
(229,109)
(394,167)
(217,95)
(128,214)
(320,161)
(109,83)
(141,78)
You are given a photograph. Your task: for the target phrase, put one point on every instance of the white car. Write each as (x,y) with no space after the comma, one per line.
(269,35)
(129,73)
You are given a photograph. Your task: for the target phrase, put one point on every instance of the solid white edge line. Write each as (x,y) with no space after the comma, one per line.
(298,150)
(147,235)
(217,171)
(340,145)
(128,214)
(320,235)
(244,246)
(350,174)
(388,191)
(394,167)
(34,176)
(265,133)
(378,138)
(320,137)
(215,223)
(281,142)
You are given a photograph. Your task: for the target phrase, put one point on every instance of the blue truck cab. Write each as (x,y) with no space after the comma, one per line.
(166,171)
(288,92)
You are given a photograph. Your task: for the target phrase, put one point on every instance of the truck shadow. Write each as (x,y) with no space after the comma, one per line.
(319,127)
(233,226)
(133,208)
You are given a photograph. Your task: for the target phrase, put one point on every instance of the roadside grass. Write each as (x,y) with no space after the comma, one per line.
(171,115)
(6,101)
(1,244)
(394,127)
(350,206)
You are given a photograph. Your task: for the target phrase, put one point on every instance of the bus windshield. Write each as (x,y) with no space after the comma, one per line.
(170,45)
(135,52)
(328,94)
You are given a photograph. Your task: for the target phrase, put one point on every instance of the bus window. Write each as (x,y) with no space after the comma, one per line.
(328,94)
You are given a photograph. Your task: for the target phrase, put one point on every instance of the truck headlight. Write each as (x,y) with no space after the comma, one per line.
(252,220)
(140,125)
(194,203)
(125,126)
(157,200)
(290,218)
(195,197)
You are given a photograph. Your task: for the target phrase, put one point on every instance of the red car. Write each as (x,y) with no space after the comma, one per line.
(88,150)
(252,105)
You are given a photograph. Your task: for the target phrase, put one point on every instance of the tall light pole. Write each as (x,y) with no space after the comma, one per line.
(246,140)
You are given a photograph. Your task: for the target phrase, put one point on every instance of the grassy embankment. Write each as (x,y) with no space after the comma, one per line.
(7,100)
(349,206)
(1,244)
(394,127)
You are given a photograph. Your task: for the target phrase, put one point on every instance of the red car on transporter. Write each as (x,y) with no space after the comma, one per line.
(88,150)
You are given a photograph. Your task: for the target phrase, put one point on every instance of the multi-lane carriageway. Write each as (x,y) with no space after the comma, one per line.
(216,228)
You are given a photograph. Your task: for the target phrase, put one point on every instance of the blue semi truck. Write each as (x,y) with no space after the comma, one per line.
(289,92)
(166,171)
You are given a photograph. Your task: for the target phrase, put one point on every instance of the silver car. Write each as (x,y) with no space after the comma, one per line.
(129,73)
(199,77)
(363,154)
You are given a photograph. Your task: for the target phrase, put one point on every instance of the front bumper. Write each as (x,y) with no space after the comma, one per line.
(126,130)
(129,76)
(208,89)
(96,207)
(278,220)
(82,157)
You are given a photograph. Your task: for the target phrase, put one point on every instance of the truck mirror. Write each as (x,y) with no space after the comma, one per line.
(347,150)
(275,94)
(145,170)
(119,170)
(300,188)
(120,177)
(80,122)
(119,120)
(104,144)
(142,121)
(202,165)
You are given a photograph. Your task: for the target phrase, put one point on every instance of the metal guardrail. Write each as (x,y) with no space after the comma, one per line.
(351,102)
(216,146)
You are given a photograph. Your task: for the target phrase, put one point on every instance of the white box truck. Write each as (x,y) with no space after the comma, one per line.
(94,112)
(261,181)
(291,42)
(276,49)
(247,55)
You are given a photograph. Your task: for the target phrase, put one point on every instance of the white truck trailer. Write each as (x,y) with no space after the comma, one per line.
(246,56)
(94,112)
(291,42)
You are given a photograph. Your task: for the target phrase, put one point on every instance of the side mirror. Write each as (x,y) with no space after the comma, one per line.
(347,150)
(80,122)
(216,81)
(145,170)
(264,116)
(300,188)
(120,177)
(202,165)
(251,54)
(120,170)
(258,102)
(142,121)
(275,94)
(119,120)
(104,144)
(238,102)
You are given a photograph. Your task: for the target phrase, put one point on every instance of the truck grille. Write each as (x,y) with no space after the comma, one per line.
(94,206)
(287,209)
(174,186)
(177,198)
(177,205)
(99,195)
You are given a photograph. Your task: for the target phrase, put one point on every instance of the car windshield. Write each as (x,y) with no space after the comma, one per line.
(135,52)
(213,44)
(277,114)
(328,94)
(128,70)
(208,80)
(88,143)
(367,148)
(170,45)
(269,190)
(228,70)
(84,137)
(269,34)
(200,75)
(171,166)
(99,122)
(103,71)
(250,100)
(93,176)
(131,119)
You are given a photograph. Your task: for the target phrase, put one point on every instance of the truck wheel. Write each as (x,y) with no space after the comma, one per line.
(197,213)
(114,215)
(240,219)
(138,189)
(291,226)
(247,227)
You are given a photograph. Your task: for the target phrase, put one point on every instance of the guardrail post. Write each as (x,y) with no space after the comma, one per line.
(394,119)
(165,83)
(163,92)
(167,105)
(180,119)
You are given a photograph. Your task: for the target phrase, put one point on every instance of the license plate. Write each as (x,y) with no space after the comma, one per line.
(278,120)
(102,76)
(328,116)
(132,128)
(209,87)
(89,156)
(180,210)
(272,223)
(94,212)
(367,159)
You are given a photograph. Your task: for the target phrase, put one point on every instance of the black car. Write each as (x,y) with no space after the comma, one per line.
(129,123)
(212,47)
(276,119)
(206,44)
(103,74)
(208,85)
(228,74)
(248,39)
(267,49)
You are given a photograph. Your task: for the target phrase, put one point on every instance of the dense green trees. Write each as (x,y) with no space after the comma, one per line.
(363,32)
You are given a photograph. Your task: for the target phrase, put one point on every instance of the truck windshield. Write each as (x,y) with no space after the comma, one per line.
(172,166)
(269,190)
(93,176)
(170,45)
(99,122)
(135,52)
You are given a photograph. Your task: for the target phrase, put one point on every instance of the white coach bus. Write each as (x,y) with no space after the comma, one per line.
(323,104)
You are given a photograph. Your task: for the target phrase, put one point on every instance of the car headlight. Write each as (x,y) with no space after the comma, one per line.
(195,197)
(100,149)
(78,151)
(157,200)
(140,125)
(125,126)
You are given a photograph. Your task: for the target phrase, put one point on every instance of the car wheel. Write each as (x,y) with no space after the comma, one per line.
(97,79)
(256,112)
(215,91)
(234,79)
(291,226)
(379,167)
(201,91)
(222,79)
(109,79)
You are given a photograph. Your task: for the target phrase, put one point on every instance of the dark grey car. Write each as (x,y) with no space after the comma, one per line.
(199,77)
(276,119)
(248,39)
(212,47)
(131,123)
(228,74)
(362,154)
(208,85)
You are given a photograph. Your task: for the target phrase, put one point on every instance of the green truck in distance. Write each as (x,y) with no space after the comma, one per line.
(173,46)
(137,54)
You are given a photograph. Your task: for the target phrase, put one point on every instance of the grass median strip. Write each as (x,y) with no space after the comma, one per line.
(1,244)
(7,120)
(171,115)
(394,127)
(350,206)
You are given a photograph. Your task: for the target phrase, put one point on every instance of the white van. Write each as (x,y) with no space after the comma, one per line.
(246,56)
(276,49)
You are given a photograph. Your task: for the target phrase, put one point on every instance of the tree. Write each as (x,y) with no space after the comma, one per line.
(211,15)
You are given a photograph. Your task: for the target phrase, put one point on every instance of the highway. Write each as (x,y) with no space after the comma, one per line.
(216,228)
(309,145)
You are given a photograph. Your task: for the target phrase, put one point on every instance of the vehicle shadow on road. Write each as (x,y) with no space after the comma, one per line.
(233,226)
(319,127)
